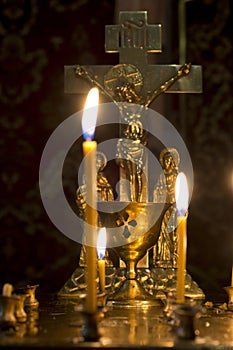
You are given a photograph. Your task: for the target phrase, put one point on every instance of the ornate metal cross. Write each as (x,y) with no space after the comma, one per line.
(133,38)
(135,81)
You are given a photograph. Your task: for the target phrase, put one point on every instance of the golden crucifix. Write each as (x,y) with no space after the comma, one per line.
(134,81)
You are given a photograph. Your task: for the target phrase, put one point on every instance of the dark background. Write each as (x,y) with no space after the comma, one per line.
(37,38)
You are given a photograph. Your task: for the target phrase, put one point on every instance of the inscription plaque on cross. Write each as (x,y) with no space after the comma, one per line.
(134,38)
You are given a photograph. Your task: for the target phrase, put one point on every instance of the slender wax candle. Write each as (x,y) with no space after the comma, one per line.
(101,247)
(89,152)
(7,289)
(232,276)
(182,206)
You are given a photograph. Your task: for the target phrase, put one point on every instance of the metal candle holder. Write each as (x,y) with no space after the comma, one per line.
(20,313)
(185,321)
(31,303)
(229,291)
(90,330)
(7,309)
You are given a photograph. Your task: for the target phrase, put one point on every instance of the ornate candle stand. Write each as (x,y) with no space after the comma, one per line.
(132,86)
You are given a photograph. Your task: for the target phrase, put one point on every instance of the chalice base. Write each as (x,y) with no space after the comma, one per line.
(76,285)
(132,294)
(165,282)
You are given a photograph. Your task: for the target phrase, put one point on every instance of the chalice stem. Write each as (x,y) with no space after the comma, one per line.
(131,270)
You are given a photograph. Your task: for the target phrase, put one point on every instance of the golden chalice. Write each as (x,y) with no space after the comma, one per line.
(132,228)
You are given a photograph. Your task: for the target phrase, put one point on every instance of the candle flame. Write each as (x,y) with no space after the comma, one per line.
(90,114)
(101,243)
(181,194)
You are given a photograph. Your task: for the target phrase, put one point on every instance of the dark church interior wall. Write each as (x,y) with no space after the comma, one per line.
(37,38)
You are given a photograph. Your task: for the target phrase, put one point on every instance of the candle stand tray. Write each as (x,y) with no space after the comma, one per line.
(58,324)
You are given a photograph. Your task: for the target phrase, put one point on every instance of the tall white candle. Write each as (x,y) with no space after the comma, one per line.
(182,206)
(90,239)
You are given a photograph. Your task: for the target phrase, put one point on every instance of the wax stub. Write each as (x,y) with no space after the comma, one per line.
(7,289)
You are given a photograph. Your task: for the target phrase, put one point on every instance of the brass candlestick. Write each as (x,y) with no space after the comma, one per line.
(20,313)
(229,291)
(185,319)
(90,330)
(7,311)
(31,303)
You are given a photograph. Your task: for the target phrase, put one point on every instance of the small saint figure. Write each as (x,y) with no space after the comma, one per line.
(104,193)
(104,189)
(165,251)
